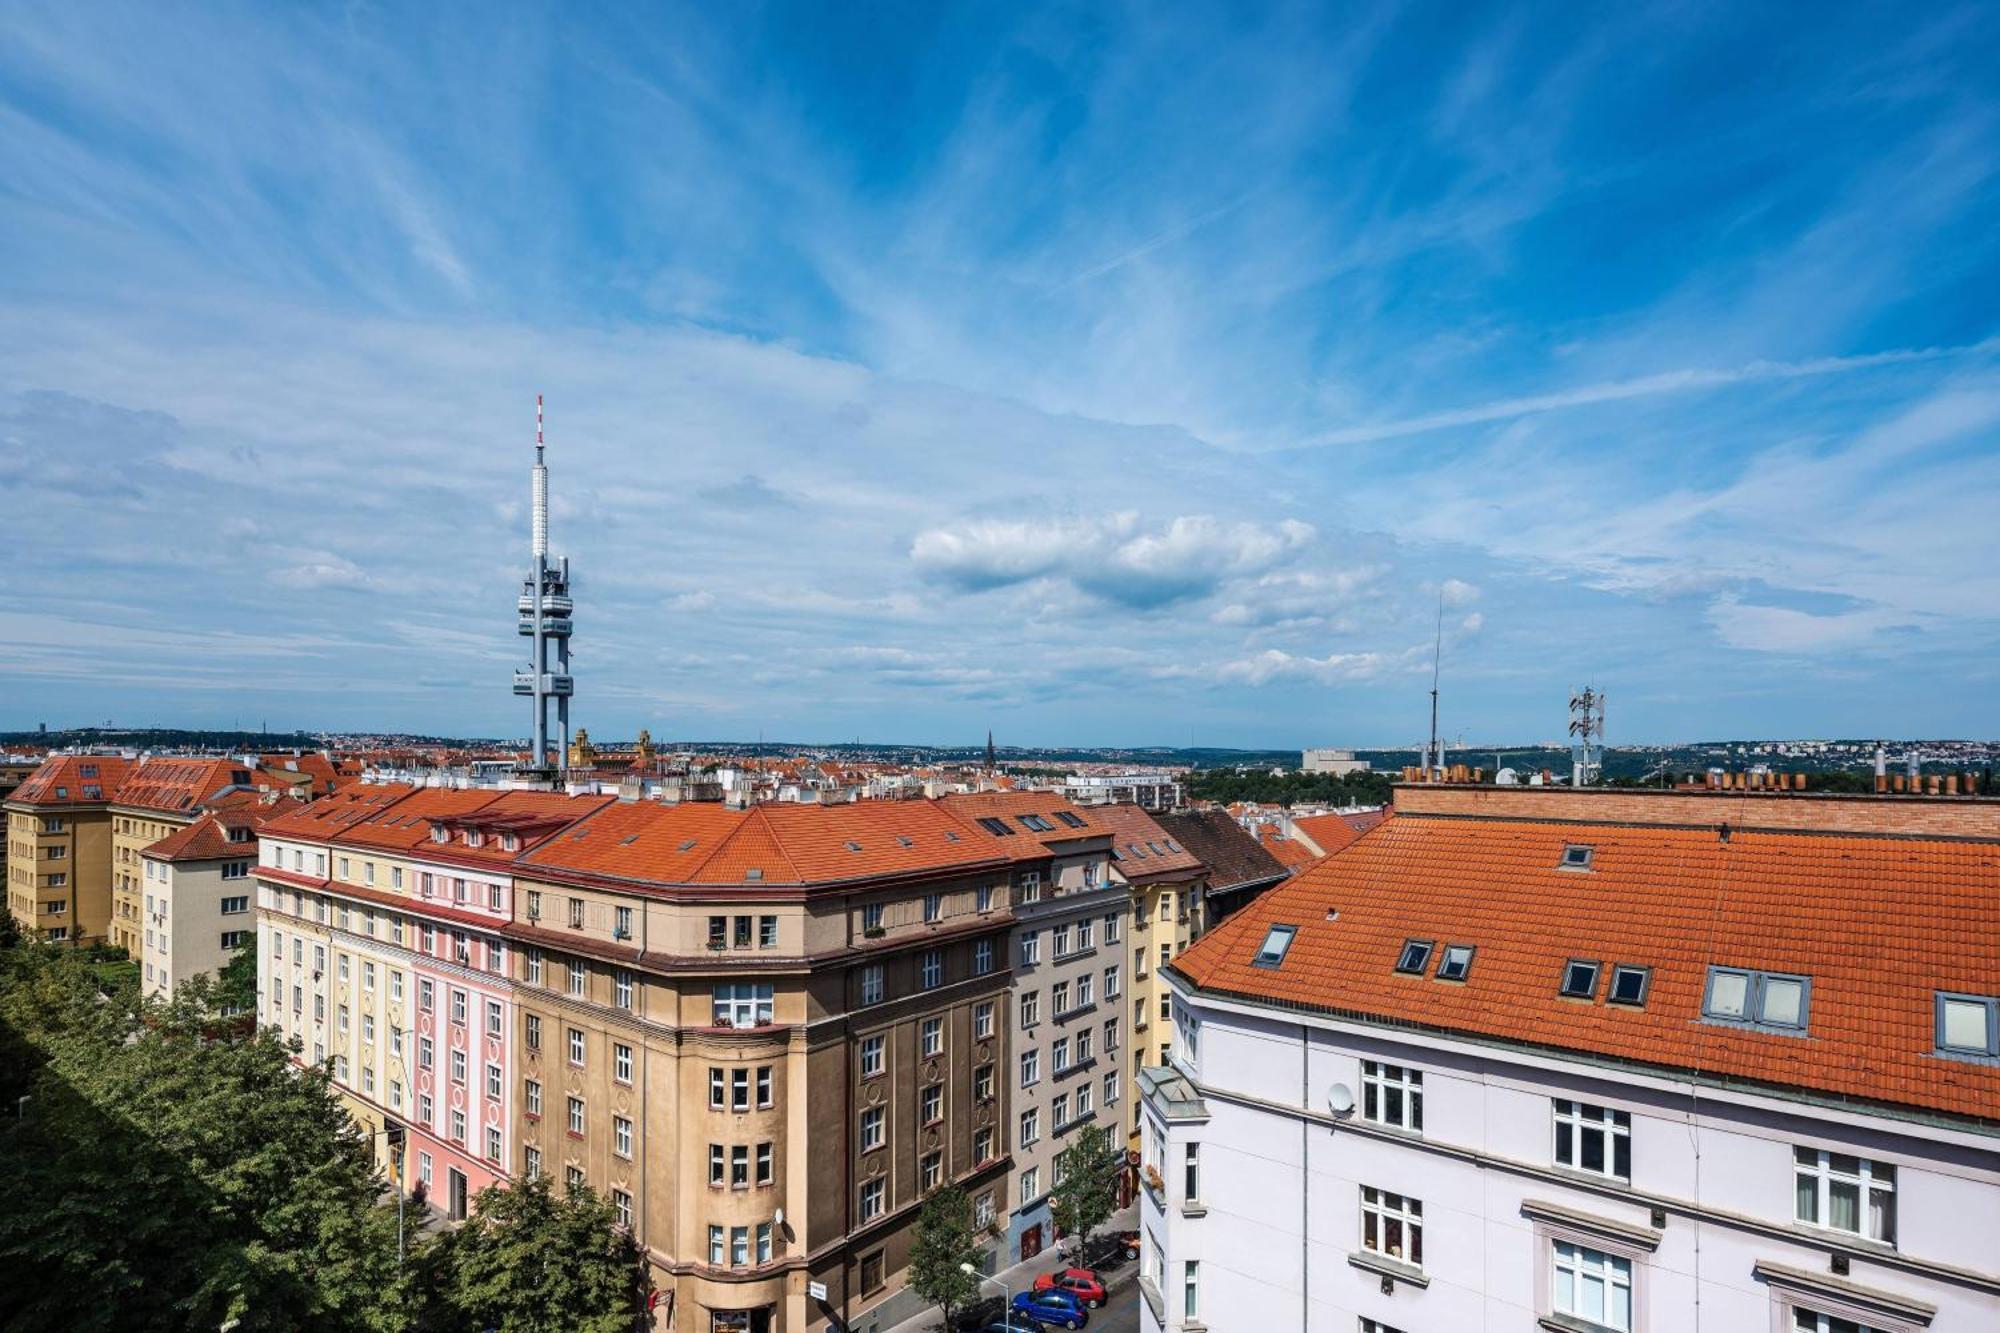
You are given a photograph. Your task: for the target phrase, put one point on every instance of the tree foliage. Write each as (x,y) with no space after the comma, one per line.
(1290,788)
(1086,1191)
(944,1241)
(530,1260)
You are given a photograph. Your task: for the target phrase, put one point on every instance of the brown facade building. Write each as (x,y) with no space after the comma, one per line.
(158,797)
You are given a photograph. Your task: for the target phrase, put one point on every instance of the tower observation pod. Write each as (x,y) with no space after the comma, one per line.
(545,611)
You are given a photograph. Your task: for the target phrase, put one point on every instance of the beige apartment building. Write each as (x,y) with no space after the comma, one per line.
(59,846)
(1164,881)
(157,798)
(198,895)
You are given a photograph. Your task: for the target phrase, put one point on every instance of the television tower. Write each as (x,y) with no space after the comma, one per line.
(545,608)
(1586,725)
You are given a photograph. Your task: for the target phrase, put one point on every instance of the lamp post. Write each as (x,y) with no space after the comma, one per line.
(1006,1297)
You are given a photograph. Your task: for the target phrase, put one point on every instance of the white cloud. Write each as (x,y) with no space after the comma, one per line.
(1274,664)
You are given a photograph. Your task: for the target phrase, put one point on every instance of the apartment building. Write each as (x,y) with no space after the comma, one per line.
(1070,918)
(1596,1061)
(158,797)
(1164,881)
(1148,791)
(1239,866)
(59,847)
(198,907)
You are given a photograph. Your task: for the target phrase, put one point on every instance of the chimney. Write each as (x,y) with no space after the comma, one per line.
(1881,781)
(1951,784)
(1931,785)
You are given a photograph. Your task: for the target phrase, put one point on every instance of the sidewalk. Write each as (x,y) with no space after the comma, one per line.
(1022,1276)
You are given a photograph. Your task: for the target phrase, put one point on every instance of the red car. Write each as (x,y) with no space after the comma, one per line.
(1078,1282)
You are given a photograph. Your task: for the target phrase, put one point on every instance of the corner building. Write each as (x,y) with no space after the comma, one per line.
(765,1035)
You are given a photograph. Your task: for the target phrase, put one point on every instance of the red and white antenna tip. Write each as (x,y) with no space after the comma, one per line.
(538,421)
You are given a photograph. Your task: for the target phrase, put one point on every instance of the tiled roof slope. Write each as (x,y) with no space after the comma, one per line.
(177,785)
(1234,859)
(1332,831)
(1141,847)
(208,838)
(1024,843)
(702,844)
(327,816)
(1292,852)
(62,780)
(1879,923)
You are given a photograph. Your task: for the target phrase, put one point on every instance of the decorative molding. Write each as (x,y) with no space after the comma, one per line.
(1870,1302)
(1628,1233)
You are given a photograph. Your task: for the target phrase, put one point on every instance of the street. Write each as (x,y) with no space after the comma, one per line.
(1120,1313)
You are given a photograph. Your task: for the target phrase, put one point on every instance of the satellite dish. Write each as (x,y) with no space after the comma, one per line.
(1340,1099)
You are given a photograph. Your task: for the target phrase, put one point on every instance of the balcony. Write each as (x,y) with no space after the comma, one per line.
(553,604)
(558,686)
(555,627)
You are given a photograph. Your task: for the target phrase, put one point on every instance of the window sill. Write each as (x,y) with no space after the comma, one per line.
(1194,1210)
(1394,1269)
(1565,1323)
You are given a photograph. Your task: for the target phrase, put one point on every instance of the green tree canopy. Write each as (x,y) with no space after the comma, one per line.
(531,1260)
(944,1242)
(1086,1189)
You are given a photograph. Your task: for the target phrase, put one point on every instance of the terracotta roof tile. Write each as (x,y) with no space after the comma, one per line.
(1878,922)
(1234,859)
(80,779)
(1141,847)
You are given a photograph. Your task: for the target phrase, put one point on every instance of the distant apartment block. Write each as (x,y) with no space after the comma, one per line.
(1148,791)
(1338,763)
(59,847)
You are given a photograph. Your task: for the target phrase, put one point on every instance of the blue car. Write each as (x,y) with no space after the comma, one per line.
(1052,1306)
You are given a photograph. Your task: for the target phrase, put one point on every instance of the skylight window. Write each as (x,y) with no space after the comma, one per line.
(753,872)
(949,836)
(1035,823)
(853,846)
(1457,961)
(1580,979)
(1629,983)
(1773,1000)
(903,841)
(1416,956)
(997,827)
(1968,1024)
(1576,857)
(1276,941)
(1070,818)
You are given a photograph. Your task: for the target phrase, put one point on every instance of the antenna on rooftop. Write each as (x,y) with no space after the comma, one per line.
(1586,727)
(1433,760)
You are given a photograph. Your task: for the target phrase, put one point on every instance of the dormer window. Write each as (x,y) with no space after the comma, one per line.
(474,838)
(1416,957)
(1775,1001)
(1457,961)
(1629,983)
(1579,979)
(1968,1025)
(1276,942)
(439,833)
(1576,856)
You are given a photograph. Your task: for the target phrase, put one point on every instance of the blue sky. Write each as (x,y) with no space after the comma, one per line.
(1098,374)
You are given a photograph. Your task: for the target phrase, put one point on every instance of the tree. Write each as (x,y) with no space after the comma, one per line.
(10,929)
(236,983)
(944,1242)
(530,1260)
(1086,1184)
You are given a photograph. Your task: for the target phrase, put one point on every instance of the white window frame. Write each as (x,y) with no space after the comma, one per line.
(1387,1209)
(1869,1180)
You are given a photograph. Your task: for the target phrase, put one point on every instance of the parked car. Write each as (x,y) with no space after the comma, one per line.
(1014,1324)
(1052,1307)
(982,1314)
(1081,1283)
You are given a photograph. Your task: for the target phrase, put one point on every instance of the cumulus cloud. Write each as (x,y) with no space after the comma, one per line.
(1274,664)
(1457,592)
(1298,597)
(1114,557)
(323,569)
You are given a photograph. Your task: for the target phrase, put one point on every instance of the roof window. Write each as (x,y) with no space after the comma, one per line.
(687,846)
(1034,823)
(1629,983)
(1416,956)
(903,841)
(949,836)
(1457,961)
(1580,979)
(997,827)
(853,846)
(86,770)
(1775,1001)
(1070,818)
(1576,856)
(754,872)
(1276,941)
(1968,1024)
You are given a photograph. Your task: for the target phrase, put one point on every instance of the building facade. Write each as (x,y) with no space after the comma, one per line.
(1148,791)
(1593,1062)
(59,848)
(1070,924)
(198,897)
(157,798)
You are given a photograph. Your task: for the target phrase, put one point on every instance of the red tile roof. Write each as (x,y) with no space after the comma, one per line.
(1878,922)
(1142,849)
(78,779)
(1292,852)
(175,786)
(327,816)
(1011,807)
(1333,831)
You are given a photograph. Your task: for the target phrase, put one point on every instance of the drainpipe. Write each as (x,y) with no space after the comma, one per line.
(1305,1179)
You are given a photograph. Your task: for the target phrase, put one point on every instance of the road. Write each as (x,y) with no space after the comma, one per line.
(1120,1313)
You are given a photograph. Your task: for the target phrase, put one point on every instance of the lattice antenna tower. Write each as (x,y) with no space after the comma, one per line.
(1586,730)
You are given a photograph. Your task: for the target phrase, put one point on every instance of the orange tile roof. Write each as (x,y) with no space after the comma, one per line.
(327,816)
(1009,807)
(1878,922)
(1332,831)
(78,779)
(174,786)
(1292,853)
(1141,847)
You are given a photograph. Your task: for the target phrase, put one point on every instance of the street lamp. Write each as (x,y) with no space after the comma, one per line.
(1006,1297)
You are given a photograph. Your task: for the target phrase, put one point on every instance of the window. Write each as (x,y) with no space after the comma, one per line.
(1376,1326)
(982,1083)
(622,1202)
(1031,948)
(1191,1175)
(717,1089)
(1031,1126)
(930,1171)
(1059,1118)
(763,1242)
(982,957)
(871,918)
(1111,983)
(739,1089)
(1579,979)
(492,1080)
(621,1062)
(1110,1034)
(576,1116)
(871,1202)
(1111,928)
(1576,857)
(531,1162)
(871,984)
(933,906)
(493,1143)
(1031,1185)
(233,939)
(767,932)
(1392,1225)
(457,1125)
(1415,958)
(871,1129)
(931,1105)
(534,1097)
(576,914)
(534,967)
(621,918)
(871,1056)
(718,1165)
(931,1036)
(1060,941)
(1031,1068)
(1059,998)
(1059,1055)
(1594,1139)
(742,1004)
(578,977)
(983,898)
(717,1247)
(982,1151)
(871,1272)
(742,932)
(1593,1286)
(1276,941)
(1457,961)
(1085,991)
(933,969)
(1392,1095)
(1190,1289)
(231,906)
(1774,1001)
(1031,1008)
(1629,983)
(621,988)
(458,1007)
(458,1067)
(576,1047)
(1111,1089)
(1846,1193)
(1812,1321)
(982,1019)
(534,1024)
(425,1052)
(494,1018)
(1968,1025)
(739,1166)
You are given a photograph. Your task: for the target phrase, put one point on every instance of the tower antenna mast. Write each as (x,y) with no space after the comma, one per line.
(1433,762)
(545,609)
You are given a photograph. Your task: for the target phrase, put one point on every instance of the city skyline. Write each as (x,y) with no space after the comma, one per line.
(1139,383)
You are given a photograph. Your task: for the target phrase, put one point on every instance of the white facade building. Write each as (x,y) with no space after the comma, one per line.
(1609,1123)
(1337,762)
(197,900)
